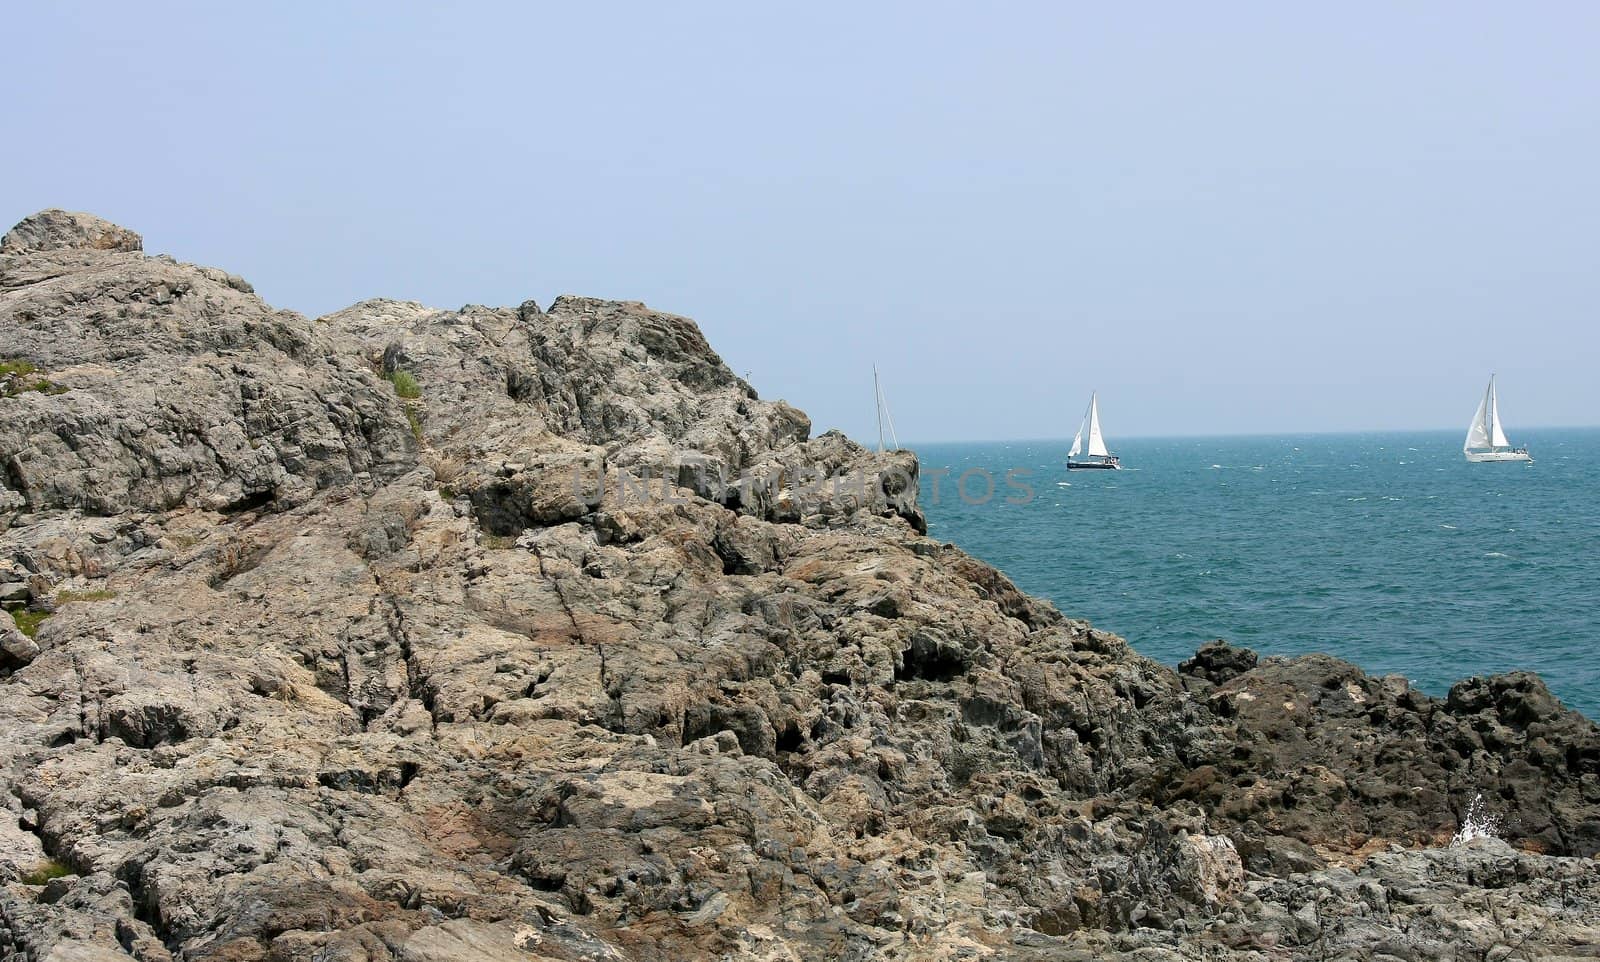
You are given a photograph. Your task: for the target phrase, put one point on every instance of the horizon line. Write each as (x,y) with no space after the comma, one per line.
(1341,432)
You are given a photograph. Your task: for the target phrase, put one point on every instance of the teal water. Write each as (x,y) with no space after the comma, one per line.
(1388,550)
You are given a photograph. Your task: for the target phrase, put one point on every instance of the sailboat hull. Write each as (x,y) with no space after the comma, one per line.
(1093,466)
(1478,457)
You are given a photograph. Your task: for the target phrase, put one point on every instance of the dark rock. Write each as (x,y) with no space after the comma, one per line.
(1218,662)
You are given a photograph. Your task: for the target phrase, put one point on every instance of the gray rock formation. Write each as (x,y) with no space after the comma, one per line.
(409,634)
(64,230)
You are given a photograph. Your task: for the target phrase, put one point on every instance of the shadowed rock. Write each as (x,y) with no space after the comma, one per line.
(1218,662)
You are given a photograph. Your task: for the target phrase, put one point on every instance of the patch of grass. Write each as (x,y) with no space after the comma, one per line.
(45,871)
(405,385)
(446,469)
(94,594)
(406,388)
(17,375)
(499,542)
(28,621)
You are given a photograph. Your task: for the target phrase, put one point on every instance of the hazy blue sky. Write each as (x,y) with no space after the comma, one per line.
(1226,217)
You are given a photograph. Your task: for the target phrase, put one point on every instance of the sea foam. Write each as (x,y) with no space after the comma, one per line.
(1476,823)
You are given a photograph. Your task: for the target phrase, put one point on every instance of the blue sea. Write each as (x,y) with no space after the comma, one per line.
(1388,550)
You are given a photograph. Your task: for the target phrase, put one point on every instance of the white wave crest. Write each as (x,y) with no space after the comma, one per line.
(1476,823)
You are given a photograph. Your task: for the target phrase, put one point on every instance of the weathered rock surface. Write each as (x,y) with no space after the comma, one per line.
(57,230)
(572,656)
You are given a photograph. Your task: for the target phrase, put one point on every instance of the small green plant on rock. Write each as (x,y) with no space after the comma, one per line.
(45,871)
(406,388)
(405,385)
(18,375)
(28,621)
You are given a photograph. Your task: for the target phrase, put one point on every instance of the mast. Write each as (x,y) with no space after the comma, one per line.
(877,400)
(888,416)
(1496,430)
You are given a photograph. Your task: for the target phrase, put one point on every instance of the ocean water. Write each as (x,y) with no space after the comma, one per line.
(1387,550)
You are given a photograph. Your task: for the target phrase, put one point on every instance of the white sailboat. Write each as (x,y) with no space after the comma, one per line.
(1098,456)
(1486,437)
(883,412)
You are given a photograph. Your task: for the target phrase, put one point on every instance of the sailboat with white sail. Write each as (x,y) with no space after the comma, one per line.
(883,412)
(1098,456)
(1486,436)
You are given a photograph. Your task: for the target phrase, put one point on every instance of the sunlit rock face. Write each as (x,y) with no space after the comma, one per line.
(503,633)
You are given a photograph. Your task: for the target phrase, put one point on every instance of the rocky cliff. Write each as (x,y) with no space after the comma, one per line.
(522,633)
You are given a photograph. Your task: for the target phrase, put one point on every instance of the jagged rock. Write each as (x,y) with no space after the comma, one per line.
(1320,752)
(16,648)
(1482,900)
(177,389)
(56,230)
(1208,870)
(1218,662)
(336,673)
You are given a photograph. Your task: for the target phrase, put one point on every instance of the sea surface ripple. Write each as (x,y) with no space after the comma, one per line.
(1387,550)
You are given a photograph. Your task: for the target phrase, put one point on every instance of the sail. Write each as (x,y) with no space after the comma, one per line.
(1478,431)
(1497,434)
(1097,444)
(1077,439)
